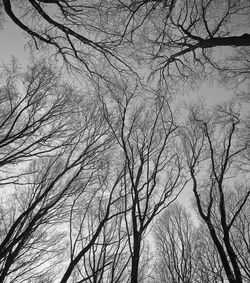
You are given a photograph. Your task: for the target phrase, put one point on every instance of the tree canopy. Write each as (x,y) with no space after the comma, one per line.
(96,145)
(170,37)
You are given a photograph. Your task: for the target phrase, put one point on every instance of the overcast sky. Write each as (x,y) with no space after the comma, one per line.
(12,43)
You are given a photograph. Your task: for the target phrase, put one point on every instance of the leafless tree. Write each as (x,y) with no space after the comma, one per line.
(90,215)
(108,258)
(212,147)
(35,107)
(175,246)
(71,30)
(186,37)
(206,260)
(34,216)
(145,136)
(235,72)
(240,227)
(184,251)
(174,37)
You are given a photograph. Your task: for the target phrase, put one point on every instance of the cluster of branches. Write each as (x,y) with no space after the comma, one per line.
(172,37)
(51,141)
(90,175)
(85,174)
(83,177)
(216,249)
(186,253)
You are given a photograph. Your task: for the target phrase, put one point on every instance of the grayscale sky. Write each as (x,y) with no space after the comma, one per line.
(12,43)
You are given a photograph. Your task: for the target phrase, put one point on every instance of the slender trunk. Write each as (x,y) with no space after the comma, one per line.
(136,257)
(222,253)
(226,237)
(223,257)
(76,260)
(233,259)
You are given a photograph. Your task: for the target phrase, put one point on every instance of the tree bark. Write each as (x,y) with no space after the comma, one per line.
(243,40)
(136,257)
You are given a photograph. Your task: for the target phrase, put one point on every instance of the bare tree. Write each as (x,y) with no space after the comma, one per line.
(177,36)
(33,221)
(108,258)
(77,186)
(212,147)
(235,72)
(175,246)
(35,107)
(90,215)
(184,251)
(240,227)
(71,30)
(207,264)
(145,136)
(194,28)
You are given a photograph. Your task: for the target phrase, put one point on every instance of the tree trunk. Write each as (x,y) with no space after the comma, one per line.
(136,257)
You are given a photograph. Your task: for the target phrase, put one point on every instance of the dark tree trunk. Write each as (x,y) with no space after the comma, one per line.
(136,257)
(243,40)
